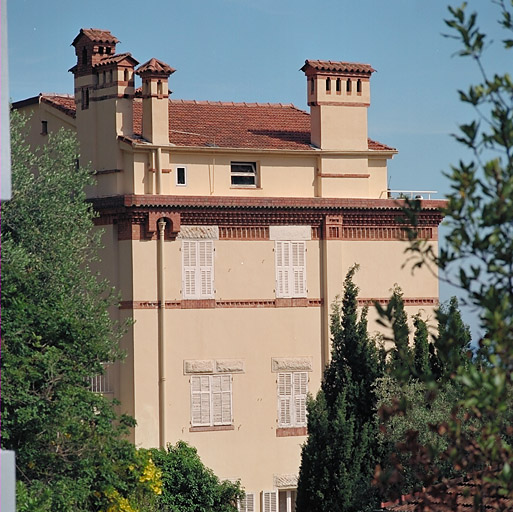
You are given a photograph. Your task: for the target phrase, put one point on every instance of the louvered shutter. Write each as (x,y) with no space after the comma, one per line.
(300,390)
(222,399)
(282,269)
(206,268)
(200,400)
(284,399)
(298,270)
(247,504)
(189,258)
(269,501)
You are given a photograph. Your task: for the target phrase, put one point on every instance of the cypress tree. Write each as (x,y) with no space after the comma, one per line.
(420,348)
(402,358)
(341,452)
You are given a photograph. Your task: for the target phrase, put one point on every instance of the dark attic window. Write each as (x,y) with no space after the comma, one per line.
(44,127)
(328,84)
(108,50)
(84,56)
(338,85)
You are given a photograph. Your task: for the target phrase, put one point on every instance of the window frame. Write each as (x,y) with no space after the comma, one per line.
(207,399)
(184,184)
(290,268)
(294,401)
(255,173)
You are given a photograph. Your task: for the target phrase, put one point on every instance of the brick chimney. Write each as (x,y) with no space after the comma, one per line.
(338,94)
(155,91)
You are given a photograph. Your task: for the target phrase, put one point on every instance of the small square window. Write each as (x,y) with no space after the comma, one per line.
(244,174)
(181,176)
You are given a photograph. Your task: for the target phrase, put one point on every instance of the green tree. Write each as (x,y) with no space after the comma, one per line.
(401,358)
(188,486)
(56,333)
(478,258)
(420,348)
(453,338)
(339,456)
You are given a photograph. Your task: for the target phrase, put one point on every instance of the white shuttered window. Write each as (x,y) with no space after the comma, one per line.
(290,269)
(269,501)
(246,504)
(211,400)
(198,269)
(292,392)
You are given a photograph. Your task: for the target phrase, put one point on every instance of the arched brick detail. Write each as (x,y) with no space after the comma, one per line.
(172,224)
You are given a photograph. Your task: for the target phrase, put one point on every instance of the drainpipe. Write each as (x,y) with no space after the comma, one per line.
(159,171)
(161,334)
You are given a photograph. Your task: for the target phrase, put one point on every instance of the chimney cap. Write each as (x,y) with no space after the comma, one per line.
(155,67)
(314,67)
(96,35)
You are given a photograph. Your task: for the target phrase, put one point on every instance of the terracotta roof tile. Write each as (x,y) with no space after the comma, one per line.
(328,65)
(115,59)
(62,102)
(228,124)
(155,66)
(97,35)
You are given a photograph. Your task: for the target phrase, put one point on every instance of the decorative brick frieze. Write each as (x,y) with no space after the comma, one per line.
(243,232)
(408,301)
(235,303)
(295,302)
(291,364)
(286,481)
(242,218)
(198,304)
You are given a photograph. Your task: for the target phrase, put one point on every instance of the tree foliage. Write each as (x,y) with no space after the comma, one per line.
(339,456)
(56,333)
(478,258)
(188,486)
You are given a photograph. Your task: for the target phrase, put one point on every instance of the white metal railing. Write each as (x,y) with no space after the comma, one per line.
(101,383)
(407,194)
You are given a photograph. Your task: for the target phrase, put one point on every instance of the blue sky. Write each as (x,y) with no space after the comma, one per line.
(251,50)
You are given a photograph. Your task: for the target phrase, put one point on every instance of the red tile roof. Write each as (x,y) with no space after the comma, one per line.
(328,65)
(155,66)
(97,35)
(116,59)
(228,125)
(63,102)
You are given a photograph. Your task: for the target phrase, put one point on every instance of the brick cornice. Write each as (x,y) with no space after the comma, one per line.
(342,219)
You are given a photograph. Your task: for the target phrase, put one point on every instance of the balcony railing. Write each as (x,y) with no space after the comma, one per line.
(407,194)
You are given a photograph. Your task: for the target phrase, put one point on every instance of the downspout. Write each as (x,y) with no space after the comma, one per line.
(159,170)
(161,334)
(325,308)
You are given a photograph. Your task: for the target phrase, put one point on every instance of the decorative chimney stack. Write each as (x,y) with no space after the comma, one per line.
(155,92)
(104,92)
(338,95)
